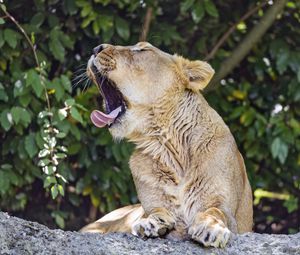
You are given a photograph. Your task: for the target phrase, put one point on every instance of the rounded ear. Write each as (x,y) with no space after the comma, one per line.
(199,74)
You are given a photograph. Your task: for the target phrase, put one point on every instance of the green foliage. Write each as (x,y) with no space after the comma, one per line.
(57,153)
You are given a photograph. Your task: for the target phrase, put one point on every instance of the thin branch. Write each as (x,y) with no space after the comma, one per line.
(34,53)
(146,26)
(247,44)
(225,36)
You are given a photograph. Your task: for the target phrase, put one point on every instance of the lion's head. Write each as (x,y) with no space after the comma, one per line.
(133,79)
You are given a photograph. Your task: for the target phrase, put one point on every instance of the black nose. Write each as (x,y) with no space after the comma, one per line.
(97,49)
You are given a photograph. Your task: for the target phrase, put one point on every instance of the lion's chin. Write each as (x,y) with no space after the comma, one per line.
(130,126)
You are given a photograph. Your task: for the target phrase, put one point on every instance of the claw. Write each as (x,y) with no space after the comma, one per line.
(215,235)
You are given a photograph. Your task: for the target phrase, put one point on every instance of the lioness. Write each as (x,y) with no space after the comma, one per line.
(189,175)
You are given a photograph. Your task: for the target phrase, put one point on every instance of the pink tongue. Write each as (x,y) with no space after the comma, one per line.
(101,119)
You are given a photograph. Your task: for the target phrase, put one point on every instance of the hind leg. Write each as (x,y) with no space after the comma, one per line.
(120,220)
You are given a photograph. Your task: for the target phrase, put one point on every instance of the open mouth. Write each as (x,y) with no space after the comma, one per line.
(114,102)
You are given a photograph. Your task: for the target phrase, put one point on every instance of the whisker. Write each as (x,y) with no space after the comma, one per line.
(82,70)
(85,86)
(78,77)
(83,73)
(83,64)
(83,79)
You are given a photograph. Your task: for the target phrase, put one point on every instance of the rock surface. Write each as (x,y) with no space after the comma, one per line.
(20,237)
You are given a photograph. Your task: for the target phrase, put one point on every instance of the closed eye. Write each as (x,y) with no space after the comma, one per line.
(139,49)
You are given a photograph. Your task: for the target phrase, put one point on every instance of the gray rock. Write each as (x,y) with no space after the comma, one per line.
(20,237)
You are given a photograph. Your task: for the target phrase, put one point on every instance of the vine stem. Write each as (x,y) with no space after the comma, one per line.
(39,69)
(34,53)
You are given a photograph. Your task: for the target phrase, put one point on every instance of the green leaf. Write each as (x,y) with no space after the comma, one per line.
(106,22)
(66,83)
(25,100)
(58,89)
(4,182)
(283,60)
(54,191)
(294,61)
(198,12)
(25,117)
(291,204)
(81,107)
(10,37)
(116,150)
(70,6)
(185,5)
(53,20)
(33,80)
(76,115)
(20,115)
(86,10)
(30,145)
(59,220)
(122,28)
(283,153)
(18,88)
(61,189)
(279,149)
(66,40)
(57,49)
(2,41)
(16,113)
(49,170)
(62,114)
(43,153)
(87,21)
(61,135)
(44,162)
(2,21)
(211,8)
(62,148)
(107,35)
(6,166)
(74,148)
(275,147)
(76,132)
(56,46)
(6,119)
(38,19)
(70,102)
(13,178)
(3,94)
(61,155)
(44,114)
(49,180)
(96,27)
(247,117)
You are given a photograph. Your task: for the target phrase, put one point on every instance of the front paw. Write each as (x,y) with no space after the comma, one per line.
(210,232)
(148,227)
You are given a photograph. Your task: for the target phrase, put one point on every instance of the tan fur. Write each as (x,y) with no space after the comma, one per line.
(189,175)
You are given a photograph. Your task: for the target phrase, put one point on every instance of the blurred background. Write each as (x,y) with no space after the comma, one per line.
(56,168)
